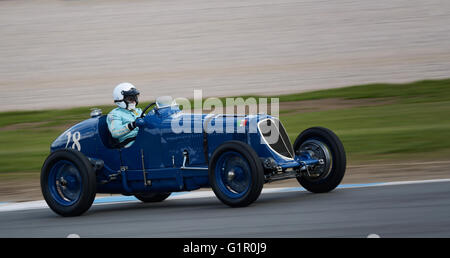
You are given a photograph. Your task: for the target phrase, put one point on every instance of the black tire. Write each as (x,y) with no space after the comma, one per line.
(255,172)
(336,168)
(152,197)
(86,174)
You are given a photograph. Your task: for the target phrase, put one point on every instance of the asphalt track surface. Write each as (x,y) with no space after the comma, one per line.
(56,54)
(408,210)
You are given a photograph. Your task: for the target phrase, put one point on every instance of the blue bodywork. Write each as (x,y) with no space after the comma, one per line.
(161,160)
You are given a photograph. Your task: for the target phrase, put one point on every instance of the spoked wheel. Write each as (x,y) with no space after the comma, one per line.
(321,144)
(236,174)
(152,197)
(320,151)
(68,182)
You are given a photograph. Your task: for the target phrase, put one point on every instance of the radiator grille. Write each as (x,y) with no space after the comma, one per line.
(276,137)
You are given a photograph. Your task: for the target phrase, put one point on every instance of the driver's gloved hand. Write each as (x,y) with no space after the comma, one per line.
(131,125)
(139,122)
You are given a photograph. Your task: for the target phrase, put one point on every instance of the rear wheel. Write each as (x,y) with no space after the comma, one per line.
(152,197)
(236,174)
(68,182)
(322,144)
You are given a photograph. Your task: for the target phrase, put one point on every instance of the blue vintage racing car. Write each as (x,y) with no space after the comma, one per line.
(235,163)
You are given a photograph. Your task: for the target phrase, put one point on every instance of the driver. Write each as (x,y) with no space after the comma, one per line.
(124,120)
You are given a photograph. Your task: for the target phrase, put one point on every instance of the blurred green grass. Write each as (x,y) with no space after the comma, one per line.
(415,92)
(388,132)
(416,125)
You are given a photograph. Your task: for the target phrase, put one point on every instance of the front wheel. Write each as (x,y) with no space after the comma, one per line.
(322,144)
(236,174)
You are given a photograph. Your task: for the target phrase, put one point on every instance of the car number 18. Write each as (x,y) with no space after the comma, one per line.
(75,137)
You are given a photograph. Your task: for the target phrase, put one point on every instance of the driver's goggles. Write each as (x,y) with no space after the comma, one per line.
(131,98)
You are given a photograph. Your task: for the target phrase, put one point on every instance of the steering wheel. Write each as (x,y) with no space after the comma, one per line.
(146,108)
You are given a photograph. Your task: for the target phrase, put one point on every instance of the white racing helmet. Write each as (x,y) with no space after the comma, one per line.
(124,94)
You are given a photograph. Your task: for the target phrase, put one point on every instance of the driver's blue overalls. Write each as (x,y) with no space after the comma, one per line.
(118,119)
